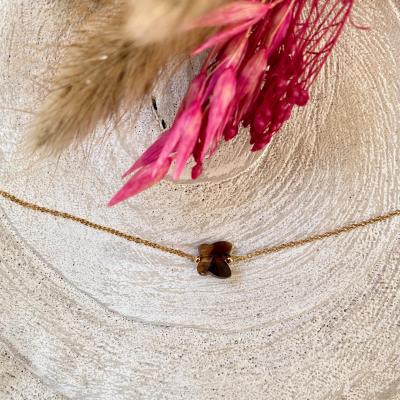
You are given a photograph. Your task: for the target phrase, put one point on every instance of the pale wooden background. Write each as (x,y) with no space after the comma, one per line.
(88,316)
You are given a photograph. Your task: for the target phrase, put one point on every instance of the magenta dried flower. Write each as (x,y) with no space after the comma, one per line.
(262,61)
(146,177)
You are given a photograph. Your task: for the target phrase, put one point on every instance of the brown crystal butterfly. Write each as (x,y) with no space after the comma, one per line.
(215,259)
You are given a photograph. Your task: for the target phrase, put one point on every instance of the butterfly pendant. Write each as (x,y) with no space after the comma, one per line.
(215,259)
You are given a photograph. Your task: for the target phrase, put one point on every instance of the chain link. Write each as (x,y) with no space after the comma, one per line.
(235,258)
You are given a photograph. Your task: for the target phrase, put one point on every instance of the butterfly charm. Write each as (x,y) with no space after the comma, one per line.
(215,259)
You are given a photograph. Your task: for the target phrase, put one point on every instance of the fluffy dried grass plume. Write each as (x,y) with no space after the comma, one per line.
(105,71)
(153,20)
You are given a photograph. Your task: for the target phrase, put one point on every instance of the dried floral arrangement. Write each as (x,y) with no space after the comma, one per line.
(262,58)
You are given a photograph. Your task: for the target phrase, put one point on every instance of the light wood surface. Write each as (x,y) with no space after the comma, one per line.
(88,316)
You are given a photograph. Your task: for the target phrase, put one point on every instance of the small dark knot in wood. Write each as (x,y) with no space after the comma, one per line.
(215,259)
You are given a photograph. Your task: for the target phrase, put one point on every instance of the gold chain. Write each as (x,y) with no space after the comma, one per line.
(235,258)
(97,227)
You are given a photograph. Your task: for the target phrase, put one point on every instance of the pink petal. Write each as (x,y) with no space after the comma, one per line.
(150,155)
(183,121)
(197,170)
(142,180)
(231,57)
(188,139)
(279,26)
(250,80)
(195,90)
(200,141)
(170,145)
(235,51)
(222,36)
(231,131)
(223,94)
(220,133)
(233,13)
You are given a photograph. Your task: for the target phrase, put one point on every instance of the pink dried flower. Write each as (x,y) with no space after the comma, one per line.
(237,17)
(142,180)
(262,62)
(224,93)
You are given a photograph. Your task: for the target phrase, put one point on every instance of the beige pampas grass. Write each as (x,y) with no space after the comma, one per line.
(105,70)
(153,20)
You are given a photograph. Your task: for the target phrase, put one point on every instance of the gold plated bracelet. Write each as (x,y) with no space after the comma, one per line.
(207,254)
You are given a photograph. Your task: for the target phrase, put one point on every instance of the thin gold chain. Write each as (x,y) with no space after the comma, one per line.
(97,227)
(235,258)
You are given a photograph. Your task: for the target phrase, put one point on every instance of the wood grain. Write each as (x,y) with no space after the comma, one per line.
(86,316)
